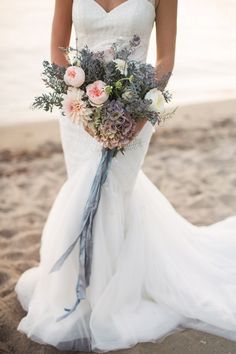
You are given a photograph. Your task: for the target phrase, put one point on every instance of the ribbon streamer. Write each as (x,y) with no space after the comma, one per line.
(85,236)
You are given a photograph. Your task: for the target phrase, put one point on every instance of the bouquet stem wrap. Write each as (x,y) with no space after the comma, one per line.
(85,236)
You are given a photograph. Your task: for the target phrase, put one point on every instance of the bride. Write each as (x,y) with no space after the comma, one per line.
(153,272)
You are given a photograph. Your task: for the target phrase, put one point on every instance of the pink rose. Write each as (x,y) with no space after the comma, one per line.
(74,76)
(96,93)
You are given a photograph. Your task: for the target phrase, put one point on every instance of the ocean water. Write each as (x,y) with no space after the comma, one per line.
(204,64)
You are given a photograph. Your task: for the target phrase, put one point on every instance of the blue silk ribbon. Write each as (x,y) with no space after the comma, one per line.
(86,236)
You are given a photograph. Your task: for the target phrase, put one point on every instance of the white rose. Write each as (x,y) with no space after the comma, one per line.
(158,100)
(121,66)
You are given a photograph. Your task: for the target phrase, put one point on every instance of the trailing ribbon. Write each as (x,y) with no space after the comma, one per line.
(85,236)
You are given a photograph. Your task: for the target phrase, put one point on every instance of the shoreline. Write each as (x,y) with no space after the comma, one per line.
(30,135)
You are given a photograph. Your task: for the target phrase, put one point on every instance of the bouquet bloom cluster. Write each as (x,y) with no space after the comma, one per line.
(106,91)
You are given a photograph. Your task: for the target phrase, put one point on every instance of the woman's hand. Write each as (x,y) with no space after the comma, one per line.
(88,131)
(139,125)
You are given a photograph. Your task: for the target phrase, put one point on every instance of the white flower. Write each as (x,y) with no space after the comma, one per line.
(74,76)
(77,62)
(127,95)
(158,100)
(73,106)
(121,66)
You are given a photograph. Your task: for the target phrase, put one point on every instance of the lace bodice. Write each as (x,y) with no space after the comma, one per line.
(98,28)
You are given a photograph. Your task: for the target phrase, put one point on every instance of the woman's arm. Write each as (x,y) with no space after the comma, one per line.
(166,29)
(61,30)
(166,23)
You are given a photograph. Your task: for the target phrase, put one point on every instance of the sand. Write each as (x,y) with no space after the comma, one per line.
(191,159)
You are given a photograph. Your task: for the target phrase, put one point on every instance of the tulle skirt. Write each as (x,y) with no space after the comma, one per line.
(153,272)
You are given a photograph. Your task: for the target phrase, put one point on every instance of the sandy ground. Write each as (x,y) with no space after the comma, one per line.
(191,160)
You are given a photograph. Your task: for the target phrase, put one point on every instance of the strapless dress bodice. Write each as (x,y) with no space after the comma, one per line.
(98,28)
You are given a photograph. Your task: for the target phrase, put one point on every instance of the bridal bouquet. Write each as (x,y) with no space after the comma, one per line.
(108,93)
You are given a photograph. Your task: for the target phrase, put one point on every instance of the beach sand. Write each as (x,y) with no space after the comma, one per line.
(191,159)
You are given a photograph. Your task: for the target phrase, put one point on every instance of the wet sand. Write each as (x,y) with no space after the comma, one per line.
(191,159)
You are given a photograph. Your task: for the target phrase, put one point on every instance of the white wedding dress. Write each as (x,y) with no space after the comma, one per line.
(153,272)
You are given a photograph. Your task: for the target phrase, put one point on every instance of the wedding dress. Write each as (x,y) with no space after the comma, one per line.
(153,272)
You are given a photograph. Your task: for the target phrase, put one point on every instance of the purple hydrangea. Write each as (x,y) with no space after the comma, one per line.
(117,125)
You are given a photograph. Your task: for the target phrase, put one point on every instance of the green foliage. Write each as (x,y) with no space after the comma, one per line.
(47,101)
(53,77)
(130,89)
